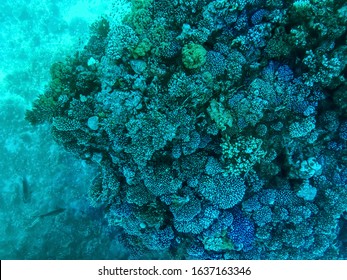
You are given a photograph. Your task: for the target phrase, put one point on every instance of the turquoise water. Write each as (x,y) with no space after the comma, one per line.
(34,34)
(185,129)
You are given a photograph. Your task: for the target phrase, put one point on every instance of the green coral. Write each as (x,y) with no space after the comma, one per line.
(140,17)
(241,154)
(60,74)
(142,48)
(277,47)
(139,20)
(220,115)
(319,20)
(44,109)
(141,4)
(218,243)
(100,28)
(193,55)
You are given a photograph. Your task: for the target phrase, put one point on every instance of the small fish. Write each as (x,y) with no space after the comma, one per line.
(51,213)
(26,194)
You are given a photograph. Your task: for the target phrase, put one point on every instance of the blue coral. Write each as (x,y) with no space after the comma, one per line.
(343,131)
(242,232)
(186,208)
(224,191)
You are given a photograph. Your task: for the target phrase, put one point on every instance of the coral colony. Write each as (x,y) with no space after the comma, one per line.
(219,127)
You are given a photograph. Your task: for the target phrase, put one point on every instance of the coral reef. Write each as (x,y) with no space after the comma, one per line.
(219,127)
